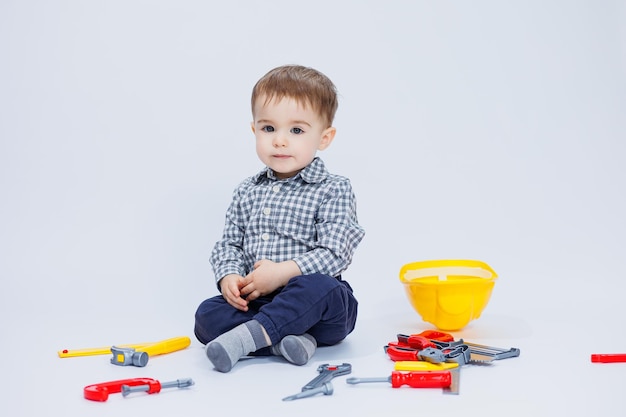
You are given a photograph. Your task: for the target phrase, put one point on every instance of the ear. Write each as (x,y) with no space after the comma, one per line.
(327,138)
(252,127)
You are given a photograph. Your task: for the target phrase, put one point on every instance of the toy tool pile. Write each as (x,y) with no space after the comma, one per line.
(446,293)
(137,355)
(432,359)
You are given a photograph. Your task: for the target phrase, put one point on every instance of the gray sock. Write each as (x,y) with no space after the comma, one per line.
(296,349)
(225,350)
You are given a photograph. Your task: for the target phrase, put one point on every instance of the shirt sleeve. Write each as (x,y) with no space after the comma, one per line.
(227,256)
(338,233)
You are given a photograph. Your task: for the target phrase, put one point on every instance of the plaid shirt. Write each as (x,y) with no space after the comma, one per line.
(309,218)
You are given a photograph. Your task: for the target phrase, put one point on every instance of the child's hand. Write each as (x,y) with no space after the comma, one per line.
(268,276)
(231,291)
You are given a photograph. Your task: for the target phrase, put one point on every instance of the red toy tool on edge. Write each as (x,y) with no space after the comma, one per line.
(101,391)
(608,357)
(431,379)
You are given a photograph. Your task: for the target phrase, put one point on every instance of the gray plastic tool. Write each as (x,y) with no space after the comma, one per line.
(326,373)
(326,388)
(128,356)
(495,353)
(179,383)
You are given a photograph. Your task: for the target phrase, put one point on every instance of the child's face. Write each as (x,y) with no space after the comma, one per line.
(288,135)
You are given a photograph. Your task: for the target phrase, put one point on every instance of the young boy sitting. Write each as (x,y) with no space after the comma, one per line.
(291,231)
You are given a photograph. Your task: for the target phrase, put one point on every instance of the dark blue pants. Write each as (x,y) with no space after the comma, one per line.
(317,304)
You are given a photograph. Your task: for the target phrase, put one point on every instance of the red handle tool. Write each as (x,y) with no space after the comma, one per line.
(101,391)
(430,379)
(408,346)
(435,379)
(608,357)
(400,353)
(414,341)
(436,335)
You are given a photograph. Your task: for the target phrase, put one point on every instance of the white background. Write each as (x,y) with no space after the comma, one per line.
(483,130)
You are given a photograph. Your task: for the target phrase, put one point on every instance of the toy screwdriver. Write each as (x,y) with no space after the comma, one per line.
(431,379)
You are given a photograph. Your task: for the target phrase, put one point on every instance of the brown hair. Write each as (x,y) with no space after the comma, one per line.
(305,85)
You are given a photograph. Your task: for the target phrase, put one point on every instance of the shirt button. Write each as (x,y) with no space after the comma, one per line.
(276,188)
(267,211)
(265,236)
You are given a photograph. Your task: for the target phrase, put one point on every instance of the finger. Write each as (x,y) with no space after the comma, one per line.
(246,280)
(239,306)
(232,295)
(248,289)
(230,290)
(253,295)
(238,302)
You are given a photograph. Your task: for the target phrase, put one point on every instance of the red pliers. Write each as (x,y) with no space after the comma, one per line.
(415,347)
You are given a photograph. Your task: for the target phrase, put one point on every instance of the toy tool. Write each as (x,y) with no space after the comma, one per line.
(459,350)
(125,356)
(401,353)
(101,391)
(608,357)
(455,382)
(417,348)
(435,336)
(326,373)
(321,383)
(131,354)
(423,366)
(326,388)
(482,352)
(432,379)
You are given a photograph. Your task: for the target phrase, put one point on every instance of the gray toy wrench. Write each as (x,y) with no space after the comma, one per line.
(321,383)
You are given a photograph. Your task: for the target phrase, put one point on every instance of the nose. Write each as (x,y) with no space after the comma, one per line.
(279,141)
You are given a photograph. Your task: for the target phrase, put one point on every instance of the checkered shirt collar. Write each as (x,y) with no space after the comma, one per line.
(313,173)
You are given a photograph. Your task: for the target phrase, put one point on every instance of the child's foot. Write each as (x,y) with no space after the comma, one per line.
(296,349)
(220,356)
(225,350)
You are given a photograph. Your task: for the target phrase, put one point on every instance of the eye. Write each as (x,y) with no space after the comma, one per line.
(296,131)
(268,129)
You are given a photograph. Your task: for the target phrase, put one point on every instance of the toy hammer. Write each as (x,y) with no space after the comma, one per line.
(128,356)
(180,342)
(125,356)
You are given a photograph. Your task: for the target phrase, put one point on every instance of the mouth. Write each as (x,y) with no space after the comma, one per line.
(280,156)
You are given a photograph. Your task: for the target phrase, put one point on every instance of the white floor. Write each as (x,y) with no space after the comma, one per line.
(478,130)
(552,376)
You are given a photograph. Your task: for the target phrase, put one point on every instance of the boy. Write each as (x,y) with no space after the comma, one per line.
(291,230)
